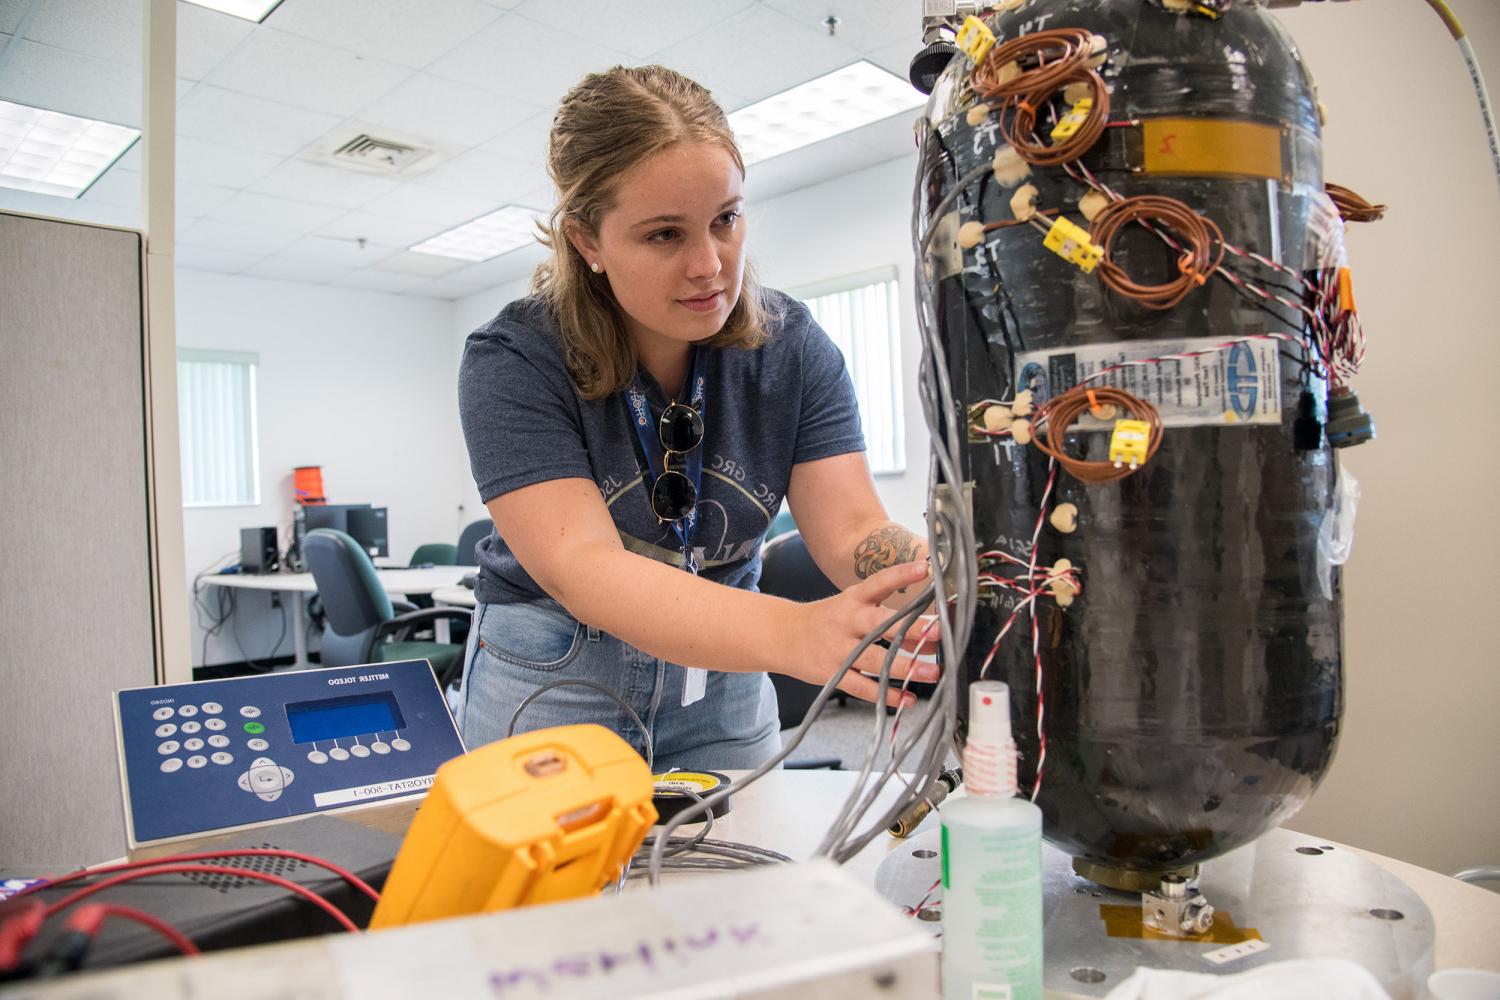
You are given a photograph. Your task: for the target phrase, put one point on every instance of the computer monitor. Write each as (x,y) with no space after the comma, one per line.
(367,526)
(329,515)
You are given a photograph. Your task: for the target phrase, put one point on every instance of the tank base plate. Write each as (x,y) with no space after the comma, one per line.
(1283,896)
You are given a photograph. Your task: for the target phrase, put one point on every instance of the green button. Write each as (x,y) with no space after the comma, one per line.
(254,727)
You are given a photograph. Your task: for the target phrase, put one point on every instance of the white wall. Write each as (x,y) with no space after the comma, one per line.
(362,383)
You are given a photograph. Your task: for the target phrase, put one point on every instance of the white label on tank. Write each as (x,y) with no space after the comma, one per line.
(378,790)
(1238,384)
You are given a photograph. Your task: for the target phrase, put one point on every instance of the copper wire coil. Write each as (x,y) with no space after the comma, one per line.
(1020,130)
(1056,417)
(1203,248)
(1352,206)
(1058,51)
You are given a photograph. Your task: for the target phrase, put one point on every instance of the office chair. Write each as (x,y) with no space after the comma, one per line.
(472,536)
(437,554)
(362,624)
(787,570)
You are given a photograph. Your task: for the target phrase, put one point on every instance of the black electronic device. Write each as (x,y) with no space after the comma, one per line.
(260,552)
(226,911)
(329,515)
(367,526)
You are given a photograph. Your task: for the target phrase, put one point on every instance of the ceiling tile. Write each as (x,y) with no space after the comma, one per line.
(303,73)
(109,29)
(328,185)
(637,29)
(248,122)
(205,37)
(519,263)
(786,53)
(213,163)
(500,180)
(197,200)
(865,25)
(424,265)
(378,281)
(521,58)
(44,77)
(896,58)
(196,258)
(893,136)
(296,270)
(439,209)
(237,236)
(116,187)
(105,29)
(398,31)
(527,142)
(384,230)
(278,213)
(447,110)
(11,13)
(346,253)
(807,166)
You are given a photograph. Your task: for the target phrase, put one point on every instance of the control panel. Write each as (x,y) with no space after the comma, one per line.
(213,756)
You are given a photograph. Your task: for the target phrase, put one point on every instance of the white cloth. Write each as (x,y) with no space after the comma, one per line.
(1309,978)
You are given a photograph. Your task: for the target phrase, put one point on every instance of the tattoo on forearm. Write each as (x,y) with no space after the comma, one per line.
(883,547)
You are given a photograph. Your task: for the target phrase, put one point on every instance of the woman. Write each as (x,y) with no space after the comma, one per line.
(641,414)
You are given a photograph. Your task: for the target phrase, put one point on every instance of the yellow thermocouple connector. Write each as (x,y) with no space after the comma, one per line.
(1071,242)
(974,39)
(1070,123)
(1128,443)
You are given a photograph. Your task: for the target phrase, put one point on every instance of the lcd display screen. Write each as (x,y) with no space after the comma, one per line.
(341,718)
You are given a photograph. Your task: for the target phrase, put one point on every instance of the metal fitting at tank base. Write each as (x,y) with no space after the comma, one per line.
(1176,909)
(1348,423)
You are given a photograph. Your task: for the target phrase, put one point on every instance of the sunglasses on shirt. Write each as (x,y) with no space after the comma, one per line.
(680,430)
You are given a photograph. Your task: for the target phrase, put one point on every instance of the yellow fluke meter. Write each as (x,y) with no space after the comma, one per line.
(545,816)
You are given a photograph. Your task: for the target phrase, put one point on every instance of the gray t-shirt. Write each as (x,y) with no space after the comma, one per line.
(766,410)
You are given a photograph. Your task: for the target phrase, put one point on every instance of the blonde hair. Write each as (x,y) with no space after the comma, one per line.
(605,126)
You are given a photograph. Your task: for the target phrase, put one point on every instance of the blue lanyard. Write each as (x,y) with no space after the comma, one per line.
(641,420)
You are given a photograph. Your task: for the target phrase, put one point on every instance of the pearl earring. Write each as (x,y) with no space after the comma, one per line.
(596,268)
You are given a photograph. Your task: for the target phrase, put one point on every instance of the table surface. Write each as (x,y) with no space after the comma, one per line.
(395,581)
(458,597)
(789,811)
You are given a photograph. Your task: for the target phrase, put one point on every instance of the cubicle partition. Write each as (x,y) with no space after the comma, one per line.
(76,612)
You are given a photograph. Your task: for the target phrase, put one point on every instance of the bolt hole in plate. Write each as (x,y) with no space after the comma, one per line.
(1310,850)
(930,913)
(924,853)
(1384,914)
(1088,974)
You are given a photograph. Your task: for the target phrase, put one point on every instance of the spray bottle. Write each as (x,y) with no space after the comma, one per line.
(992,866)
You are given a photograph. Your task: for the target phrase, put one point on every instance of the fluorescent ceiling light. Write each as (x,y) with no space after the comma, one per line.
(250,10)
(487,236)
(52,153)
(845,99)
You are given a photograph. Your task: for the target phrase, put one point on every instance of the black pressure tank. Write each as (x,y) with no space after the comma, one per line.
(1193,690)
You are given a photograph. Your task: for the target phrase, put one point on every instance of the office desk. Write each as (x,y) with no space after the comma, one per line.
(455,597)
(397,582)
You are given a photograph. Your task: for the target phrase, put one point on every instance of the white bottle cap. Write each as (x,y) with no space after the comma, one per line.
(989,712)
(989,754)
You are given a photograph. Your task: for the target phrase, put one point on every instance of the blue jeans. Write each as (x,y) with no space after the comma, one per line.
(514,649)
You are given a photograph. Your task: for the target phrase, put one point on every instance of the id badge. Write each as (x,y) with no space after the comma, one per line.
(694,685)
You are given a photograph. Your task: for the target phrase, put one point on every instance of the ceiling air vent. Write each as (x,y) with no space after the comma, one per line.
(370,152)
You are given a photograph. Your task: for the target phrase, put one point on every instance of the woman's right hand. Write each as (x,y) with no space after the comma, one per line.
(820,635)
